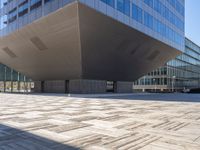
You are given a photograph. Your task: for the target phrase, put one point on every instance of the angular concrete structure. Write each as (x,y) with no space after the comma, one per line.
(82,43)
(78,42)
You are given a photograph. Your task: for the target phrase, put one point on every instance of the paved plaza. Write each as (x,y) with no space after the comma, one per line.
(59,122)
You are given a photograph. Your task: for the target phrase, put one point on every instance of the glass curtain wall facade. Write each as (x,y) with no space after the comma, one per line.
(158,18)
(161,19)
(178,74)
(13,81)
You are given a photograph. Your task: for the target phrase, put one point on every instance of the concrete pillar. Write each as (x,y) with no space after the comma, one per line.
(123,87)
(115,87)
(29,86)
(42,86)
(18,86)
(66,86)
(11,86)
(56,86)
(4,86)
(26,86)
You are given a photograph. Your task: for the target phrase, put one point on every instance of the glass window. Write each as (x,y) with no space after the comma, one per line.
(124,6)
(177,5)
(158,6)
(4,22)
(148,20)
(149,3)
(46,1)
(109,2)
(12,15)
(23,8)
(35,4)
(3,3)
(127,7)
(137,13)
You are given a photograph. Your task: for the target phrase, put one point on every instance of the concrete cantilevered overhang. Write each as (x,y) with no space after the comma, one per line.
(77,42)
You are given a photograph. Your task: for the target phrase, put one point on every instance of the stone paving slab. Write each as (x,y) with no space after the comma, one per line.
(58,122)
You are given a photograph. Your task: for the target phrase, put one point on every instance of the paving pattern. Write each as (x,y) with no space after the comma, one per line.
(56,122)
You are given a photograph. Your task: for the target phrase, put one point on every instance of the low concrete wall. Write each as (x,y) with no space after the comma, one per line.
(37,87)
(80,86)
(124,87)
(87,86)
(54,86)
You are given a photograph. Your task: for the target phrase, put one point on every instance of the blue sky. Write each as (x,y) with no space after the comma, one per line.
(192,20)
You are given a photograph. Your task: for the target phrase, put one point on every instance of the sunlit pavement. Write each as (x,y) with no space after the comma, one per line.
(58,122)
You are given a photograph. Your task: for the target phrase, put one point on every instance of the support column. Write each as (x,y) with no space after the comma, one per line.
(42,86)
(18,86)
(115,87)
(4,86)
(29,86)
(66,86)
(11,86)
(5,75)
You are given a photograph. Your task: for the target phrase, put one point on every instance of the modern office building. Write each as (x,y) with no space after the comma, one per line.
(176,75)
(13,81)
(79,45)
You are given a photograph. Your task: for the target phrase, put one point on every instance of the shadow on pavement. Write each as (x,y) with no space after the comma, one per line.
(176,97)
(16,139)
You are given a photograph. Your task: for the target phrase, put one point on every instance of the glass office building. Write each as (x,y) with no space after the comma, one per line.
(162,19)
(13,81)
(176,75)
(108,40)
